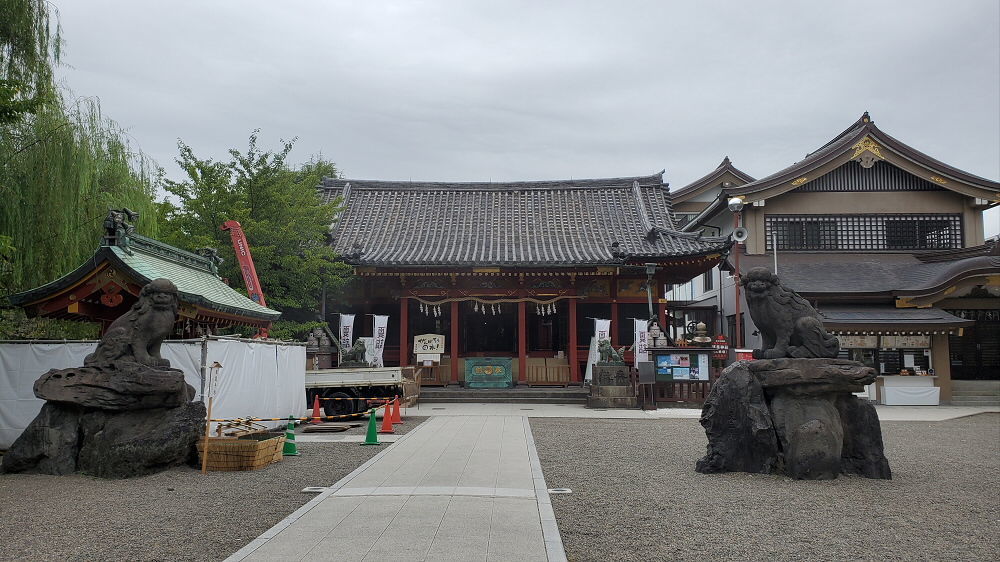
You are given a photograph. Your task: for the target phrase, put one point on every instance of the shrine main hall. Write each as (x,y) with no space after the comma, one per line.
(514,270)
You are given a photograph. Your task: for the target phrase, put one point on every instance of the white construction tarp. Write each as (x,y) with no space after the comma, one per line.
(257,379)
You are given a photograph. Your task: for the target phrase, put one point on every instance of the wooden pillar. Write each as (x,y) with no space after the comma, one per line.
(574,365)
(614,323)
(522,342)
(404,332)
(454,342)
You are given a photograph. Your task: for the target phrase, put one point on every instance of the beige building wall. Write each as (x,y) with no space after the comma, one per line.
(853,203)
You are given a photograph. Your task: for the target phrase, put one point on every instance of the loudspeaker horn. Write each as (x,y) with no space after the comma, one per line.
(740,234)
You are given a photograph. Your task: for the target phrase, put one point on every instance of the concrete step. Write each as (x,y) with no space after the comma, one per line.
(987,387)
(975,393)
(975,401)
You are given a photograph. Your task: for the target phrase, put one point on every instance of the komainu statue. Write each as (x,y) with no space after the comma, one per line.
(607,352)
(352,356)
(136,335)
(788,324)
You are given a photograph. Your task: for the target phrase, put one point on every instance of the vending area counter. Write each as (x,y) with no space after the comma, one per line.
(913,390)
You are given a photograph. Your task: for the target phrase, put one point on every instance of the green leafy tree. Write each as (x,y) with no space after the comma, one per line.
(286,225)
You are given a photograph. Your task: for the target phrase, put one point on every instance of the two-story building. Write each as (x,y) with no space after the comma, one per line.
(886,241)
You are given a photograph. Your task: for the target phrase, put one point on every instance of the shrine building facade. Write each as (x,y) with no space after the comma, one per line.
(515,271)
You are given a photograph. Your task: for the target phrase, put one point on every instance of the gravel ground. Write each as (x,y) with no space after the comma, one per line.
(636,496)
(178,514)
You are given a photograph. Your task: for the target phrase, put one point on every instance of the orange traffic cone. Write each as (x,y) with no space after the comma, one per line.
(387,420)
(316,415)
(396,417)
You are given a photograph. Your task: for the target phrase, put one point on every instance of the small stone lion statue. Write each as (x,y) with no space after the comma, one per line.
(354,354)
(788,324)
(136,336)
(608,353)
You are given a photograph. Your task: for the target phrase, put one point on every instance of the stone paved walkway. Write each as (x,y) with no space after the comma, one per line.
(456,488)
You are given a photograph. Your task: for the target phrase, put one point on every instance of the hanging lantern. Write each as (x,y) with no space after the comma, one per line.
(721,347)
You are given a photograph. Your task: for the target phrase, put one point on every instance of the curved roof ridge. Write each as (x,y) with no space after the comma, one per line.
(710,178)
(863,127)
(653,180)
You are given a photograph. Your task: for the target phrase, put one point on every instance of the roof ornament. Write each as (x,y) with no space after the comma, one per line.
(117,231)
(213,257)
(866,152)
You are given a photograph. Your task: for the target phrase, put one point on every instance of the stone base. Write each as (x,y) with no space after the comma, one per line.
(65,438)
(113,421)
(793,416)
(612,387)
(124,386)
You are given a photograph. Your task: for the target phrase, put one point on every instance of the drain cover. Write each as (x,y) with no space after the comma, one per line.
(560,491)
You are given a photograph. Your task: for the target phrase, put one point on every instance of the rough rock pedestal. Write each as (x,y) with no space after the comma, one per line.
(131,422)
(798,417)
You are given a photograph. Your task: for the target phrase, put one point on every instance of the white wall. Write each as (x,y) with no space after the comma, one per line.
(259,379)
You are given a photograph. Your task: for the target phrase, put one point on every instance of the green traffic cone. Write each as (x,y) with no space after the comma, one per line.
(372,437)
(290,450)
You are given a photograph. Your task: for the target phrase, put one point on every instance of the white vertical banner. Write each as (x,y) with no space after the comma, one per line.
(641,341)
(346,330)
(379,332)
(602,331)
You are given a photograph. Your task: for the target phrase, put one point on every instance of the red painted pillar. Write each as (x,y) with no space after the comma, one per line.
(522,342)
(614,324)
(574,365)
(404,333)
(454,342)
(662,314)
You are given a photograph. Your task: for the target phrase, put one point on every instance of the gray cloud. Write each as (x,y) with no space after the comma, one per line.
(541,90)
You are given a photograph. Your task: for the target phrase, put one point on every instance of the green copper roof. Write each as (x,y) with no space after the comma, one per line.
(194,283)
(147,259)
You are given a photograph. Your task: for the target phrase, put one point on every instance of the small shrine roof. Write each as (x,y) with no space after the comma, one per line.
(533,223)
(145,259)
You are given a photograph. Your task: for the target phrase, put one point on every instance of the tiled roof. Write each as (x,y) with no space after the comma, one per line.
(713,177)
(860,129)
(893,274)
(541,223)
(835,317)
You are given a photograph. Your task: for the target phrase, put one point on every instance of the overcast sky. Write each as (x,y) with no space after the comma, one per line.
(476,90)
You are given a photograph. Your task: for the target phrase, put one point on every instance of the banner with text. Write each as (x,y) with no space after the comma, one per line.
(641,341)
(602,331)
(379,331)
(346,330)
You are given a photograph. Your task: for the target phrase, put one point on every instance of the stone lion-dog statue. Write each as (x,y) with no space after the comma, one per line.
(788,324)
(136,336)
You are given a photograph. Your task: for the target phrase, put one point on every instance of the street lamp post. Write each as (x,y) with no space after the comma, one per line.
(736,206)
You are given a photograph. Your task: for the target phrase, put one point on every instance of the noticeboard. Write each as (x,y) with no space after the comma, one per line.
(682,366)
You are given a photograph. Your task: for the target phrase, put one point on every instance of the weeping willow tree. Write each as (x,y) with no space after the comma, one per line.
(63,168)
(29,48)
(62,164)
